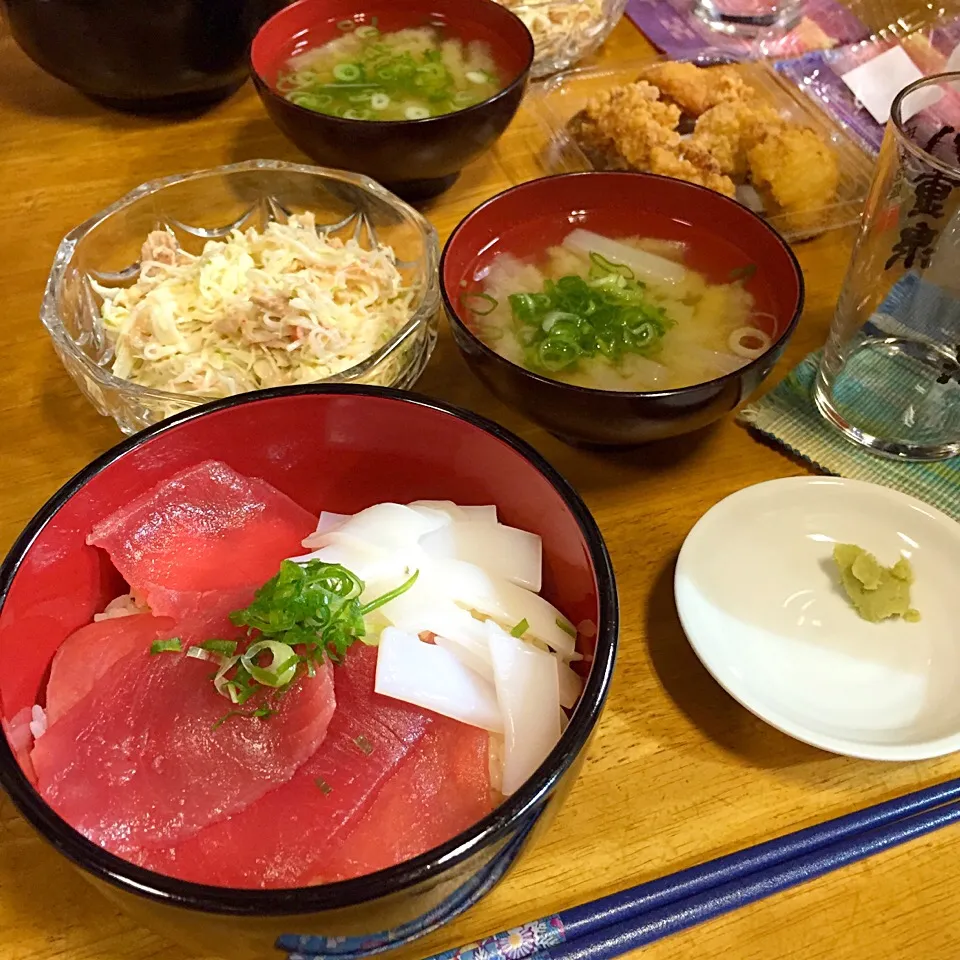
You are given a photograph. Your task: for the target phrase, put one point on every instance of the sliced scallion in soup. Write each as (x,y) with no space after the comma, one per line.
(618,314)
(407,74)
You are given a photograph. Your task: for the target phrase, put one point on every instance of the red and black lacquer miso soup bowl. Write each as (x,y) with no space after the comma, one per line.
(338,449)
(603,348)
(415,158)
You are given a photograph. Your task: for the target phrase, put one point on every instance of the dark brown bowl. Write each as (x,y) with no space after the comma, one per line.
(415,159)
(141,56)
(527,218)
(308,441)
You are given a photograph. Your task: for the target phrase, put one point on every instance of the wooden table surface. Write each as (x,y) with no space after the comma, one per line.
(678,772)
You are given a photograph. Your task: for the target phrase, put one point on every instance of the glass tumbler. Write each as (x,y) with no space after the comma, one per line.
(749,18)
(889,376)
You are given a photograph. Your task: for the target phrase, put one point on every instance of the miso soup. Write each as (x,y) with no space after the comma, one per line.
(410,74)
(627,314)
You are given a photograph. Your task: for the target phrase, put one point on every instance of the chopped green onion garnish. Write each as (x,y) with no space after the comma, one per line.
(743,273)
(198,653)
(263,711)
(347,72)
(391,595)
(607,314)
(226,648)
(314,607)
(520,629)
(283,663)
(364,744)
(479,303)
(323,786)
(567,627)
(172,645)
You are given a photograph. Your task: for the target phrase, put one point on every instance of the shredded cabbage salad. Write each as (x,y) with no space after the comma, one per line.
(283,306)
(560,31)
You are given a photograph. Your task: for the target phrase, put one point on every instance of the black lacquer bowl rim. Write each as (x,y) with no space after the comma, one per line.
(347,893)
(692,391)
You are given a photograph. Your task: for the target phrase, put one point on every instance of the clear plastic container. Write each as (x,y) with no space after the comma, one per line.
(565,31)
(561,97)
(205,205)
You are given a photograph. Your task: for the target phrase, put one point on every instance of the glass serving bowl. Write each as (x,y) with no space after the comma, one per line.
(207,205)
(565,31)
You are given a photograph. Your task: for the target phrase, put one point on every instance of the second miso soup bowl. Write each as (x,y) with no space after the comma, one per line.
(338,448)
(526,219)
(416,159)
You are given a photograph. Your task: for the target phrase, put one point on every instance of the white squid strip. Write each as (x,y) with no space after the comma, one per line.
(433,678)
(327,523)
(389,525)
(528,692)
(505,602)
(501,551)
(471,653)
(571,684)
(645,265)
(456,513)
(370,563)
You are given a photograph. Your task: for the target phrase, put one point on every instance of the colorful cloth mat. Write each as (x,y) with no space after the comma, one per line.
(788,416)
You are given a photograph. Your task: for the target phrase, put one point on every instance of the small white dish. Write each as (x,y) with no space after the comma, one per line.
(759,599)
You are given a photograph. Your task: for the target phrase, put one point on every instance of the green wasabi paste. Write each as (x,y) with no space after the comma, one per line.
(876,592)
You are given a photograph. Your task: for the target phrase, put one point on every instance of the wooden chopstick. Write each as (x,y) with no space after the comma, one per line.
(611,925)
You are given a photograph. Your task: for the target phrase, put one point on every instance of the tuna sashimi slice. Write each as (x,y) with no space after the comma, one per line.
(282,840)
(440,790)
(88,653)
(141,761)
(20,738)
(200,543)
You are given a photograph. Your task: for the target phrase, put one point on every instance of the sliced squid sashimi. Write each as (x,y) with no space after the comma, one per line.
(528,693)
(440,790)
(457,513)
(366,560)
(141,760)
(327,523)
(200,543)
(388,526)
(472,654)
(433,678)
(501,551)
(423,606)
(505,602)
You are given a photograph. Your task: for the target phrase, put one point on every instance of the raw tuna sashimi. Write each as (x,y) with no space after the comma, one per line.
(88,653)
(440,790)
(282,840)
(141,761)
(200,543)
(20,738)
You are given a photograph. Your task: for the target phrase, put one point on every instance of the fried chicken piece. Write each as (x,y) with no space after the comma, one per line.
(669,164)
(628,128)
(729,130)
(795,172)
(620,126)
(696,89)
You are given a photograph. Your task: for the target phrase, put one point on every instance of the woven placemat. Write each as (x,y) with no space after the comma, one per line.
(788,416)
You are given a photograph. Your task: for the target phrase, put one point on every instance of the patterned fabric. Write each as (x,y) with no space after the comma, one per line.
(788,416)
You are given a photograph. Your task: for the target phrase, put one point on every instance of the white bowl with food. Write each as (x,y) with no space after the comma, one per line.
(241,278)
(824,606)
